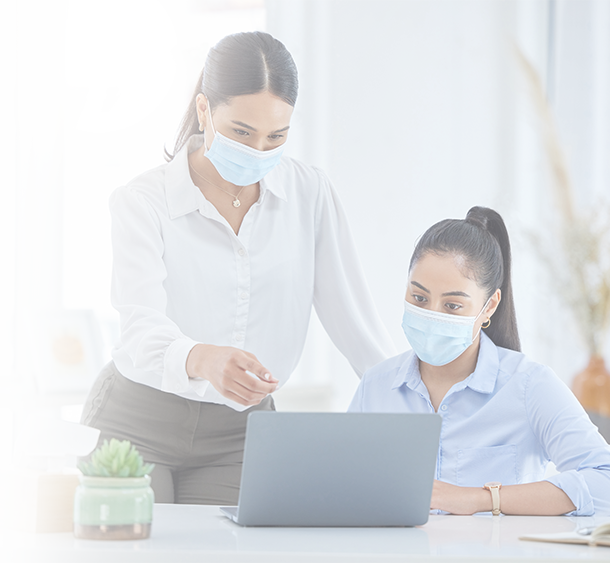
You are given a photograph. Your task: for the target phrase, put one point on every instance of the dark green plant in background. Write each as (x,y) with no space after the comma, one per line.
(116,459)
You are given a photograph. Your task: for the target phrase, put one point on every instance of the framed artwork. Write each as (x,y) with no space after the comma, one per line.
(65,347)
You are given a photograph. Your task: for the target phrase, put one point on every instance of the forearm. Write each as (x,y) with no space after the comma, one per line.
(540,499)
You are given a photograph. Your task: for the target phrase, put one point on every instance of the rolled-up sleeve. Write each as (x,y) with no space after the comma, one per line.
(151,339)
(342,298)
(571,442)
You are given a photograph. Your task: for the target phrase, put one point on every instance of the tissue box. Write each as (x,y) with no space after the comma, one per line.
(35,501)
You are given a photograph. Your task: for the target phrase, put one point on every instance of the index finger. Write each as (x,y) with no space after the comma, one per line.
(254,384)
(252,366)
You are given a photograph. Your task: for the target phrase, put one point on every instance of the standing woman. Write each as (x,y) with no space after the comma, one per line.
(218,257)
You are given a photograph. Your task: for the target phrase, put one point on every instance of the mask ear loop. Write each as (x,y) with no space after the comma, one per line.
(483,309)
(211,122)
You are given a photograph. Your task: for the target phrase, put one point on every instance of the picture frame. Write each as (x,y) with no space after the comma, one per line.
(65,348)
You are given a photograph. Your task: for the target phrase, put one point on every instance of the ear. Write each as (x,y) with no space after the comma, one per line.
(201,106)
(494,301)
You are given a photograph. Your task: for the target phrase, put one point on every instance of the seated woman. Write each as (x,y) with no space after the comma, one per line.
(504,416)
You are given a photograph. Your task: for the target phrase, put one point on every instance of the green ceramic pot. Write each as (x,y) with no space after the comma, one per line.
(113,508)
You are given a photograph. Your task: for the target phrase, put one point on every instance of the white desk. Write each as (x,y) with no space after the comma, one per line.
(186,533)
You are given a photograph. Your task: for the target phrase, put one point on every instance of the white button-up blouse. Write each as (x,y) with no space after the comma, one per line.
(182,276)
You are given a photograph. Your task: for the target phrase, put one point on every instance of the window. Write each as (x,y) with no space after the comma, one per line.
(7,210)
(7,183)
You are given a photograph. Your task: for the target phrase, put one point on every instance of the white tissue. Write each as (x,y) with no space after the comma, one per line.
(44,443)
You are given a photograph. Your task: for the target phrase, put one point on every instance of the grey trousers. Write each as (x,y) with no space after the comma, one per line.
(197,447)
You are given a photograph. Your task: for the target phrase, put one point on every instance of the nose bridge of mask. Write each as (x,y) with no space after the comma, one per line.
(438,317)
(252,155)
(445,317)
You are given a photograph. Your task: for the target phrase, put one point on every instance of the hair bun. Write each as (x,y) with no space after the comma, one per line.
(477,216)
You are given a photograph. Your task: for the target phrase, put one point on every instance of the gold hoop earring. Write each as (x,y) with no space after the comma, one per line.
(486,323)
(200,126)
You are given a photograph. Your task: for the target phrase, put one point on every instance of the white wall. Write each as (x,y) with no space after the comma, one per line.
(417,111)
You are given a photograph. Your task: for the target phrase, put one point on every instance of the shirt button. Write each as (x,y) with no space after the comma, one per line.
(244,295)
(239,337)
(241,252)
(444,408)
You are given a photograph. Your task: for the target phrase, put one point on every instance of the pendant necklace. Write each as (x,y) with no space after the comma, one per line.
(236,202)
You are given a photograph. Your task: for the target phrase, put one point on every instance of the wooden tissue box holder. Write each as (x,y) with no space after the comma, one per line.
(37,501)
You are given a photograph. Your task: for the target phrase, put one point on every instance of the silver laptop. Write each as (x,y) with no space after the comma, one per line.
(337,469)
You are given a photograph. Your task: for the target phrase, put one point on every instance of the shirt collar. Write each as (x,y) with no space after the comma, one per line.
(184,197)
(408,373)
(482,379)
(273,183)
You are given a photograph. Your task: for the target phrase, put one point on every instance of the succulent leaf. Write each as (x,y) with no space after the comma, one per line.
(124,472)
(116,459)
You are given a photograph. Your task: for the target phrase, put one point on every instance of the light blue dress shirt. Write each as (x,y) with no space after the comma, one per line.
(504,422)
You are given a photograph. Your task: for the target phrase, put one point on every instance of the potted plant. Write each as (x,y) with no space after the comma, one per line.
(114,500)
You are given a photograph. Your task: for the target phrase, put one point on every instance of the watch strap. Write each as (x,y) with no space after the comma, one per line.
(494,489)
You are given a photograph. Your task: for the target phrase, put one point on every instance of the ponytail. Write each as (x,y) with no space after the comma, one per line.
(482,240)
(503,329)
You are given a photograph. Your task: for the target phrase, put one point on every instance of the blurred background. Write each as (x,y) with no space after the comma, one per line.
(417,110)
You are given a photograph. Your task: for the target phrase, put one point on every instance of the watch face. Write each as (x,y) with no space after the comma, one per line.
(492,484)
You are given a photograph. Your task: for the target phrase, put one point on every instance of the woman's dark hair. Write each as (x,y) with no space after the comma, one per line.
(240,64)
(482,240)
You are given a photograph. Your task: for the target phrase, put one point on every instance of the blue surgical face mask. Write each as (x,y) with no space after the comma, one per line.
(437,338)
(238,163)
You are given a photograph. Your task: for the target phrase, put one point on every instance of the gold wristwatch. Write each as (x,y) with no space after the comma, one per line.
(494,488)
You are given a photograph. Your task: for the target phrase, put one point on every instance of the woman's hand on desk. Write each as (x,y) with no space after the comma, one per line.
(229,371)
(459,500)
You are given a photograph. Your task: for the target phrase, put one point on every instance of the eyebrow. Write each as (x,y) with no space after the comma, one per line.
(447,294)
(246,126)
